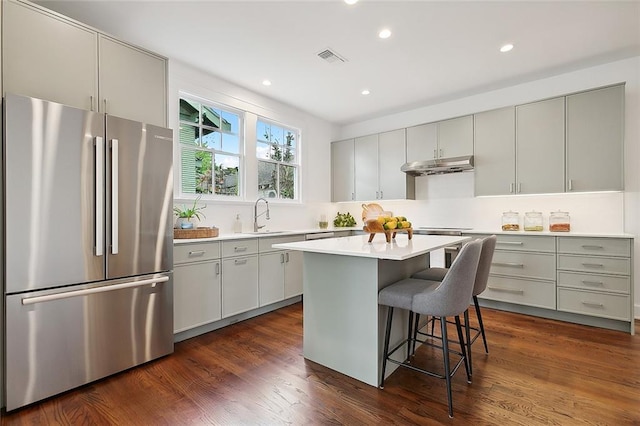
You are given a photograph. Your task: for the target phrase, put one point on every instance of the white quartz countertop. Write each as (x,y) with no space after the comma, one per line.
(400,248)
(549,234)
(262,234)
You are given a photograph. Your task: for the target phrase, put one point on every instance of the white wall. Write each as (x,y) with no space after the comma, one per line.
(316,136)
(447,200)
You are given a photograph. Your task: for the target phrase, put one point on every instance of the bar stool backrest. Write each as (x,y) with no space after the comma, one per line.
(484,265)
(452,296)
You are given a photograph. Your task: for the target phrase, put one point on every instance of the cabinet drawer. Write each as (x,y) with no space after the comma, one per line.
(524,265)
(239,247)
(595,246)
(541,294)
(607,283)
(526,243)
(603,305)
(603,265)
(265,243)
(184,253)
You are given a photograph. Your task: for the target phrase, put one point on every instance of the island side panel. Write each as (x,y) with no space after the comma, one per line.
(343,325)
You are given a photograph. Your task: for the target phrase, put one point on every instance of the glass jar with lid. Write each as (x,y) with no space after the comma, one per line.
(559,222)
(533,221)
(510,221)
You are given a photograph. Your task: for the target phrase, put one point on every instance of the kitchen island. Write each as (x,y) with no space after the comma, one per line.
(343,324)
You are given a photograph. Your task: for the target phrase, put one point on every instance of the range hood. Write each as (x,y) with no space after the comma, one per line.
(439,166)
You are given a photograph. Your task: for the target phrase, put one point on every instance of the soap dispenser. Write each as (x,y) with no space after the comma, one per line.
(237,225)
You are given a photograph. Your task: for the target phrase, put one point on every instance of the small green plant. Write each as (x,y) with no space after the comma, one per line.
(193,211)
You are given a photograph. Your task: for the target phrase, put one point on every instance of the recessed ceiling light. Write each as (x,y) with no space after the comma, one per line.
(266,82)
(385,33)
(506,48)
(351,1)
(365,92)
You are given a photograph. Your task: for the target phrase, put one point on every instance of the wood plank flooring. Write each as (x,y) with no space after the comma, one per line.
(538,372)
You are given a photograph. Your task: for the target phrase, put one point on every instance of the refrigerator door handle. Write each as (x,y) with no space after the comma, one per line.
(114,196)
(68,294)
(99,194)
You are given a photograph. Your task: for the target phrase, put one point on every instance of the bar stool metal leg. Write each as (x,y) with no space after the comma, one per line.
(445,355)
(467,329)
(387,335)
(479,315)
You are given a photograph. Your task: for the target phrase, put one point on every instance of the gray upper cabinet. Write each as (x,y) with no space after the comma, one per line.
(494,151)
(393,183)
(442,139)
(342,168)
(540,147)
(48,57)
(595,135)
(132,82)
(366,168)
(455,137)
(422,142)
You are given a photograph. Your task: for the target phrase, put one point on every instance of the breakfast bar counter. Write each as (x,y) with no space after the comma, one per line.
(343,324)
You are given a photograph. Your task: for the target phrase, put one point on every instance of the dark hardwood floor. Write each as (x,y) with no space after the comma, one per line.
(538,372)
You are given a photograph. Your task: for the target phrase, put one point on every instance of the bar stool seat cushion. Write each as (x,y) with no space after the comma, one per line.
(400,294)
(432,274)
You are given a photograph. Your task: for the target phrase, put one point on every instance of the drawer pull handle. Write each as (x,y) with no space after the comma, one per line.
(240,261)
(287,257)
(238,249)
(593,265)
(511,265)
(598,283)
(281,257)
(593,304)
(511,243)
(592,247)
(196,253)
(507,290)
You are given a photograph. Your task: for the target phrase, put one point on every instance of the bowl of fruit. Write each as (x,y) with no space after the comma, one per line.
(389,225)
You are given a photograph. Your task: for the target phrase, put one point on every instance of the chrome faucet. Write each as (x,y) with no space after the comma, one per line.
(256,215)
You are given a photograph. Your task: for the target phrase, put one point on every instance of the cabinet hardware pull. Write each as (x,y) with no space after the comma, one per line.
(519,187)
(240,261)
(570,185)
(592,247)
(287,256)
(593,265)
(197,253)
(103,289)
(217,269)
(507,290)
(281,257)
(91,100)
(352,196)
(598,283)
(114,197)
(105,105)
(99,191)
(237,249)
(435,154)
(511,188)
(593,304)
(509,264)
(377,197)
(381,196)
(511,243)
(441,155)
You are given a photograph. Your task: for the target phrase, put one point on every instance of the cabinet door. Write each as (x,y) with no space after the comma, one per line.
(196,295)
(366,168)
(391,150)
(455,137)
(239,285)
(595,129)
(422,142)
(292,274)
(48,57)
(494,152)
(342,168)
(540,147)
(271,268)
(132,83)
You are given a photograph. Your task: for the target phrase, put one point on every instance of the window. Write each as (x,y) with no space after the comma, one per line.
(278,152)
(210,147)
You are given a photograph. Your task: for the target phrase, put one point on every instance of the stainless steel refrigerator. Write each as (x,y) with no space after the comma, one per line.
(87,246)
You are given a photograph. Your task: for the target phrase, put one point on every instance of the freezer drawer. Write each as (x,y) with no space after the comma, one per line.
(59,344)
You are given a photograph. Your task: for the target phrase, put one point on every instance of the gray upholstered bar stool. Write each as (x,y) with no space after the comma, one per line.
(448,298)
(480,285)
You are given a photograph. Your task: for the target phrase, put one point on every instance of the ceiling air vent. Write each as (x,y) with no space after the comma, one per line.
(331,56)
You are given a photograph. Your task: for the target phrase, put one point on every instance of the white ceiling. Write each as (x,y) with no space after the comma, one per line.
(437,51)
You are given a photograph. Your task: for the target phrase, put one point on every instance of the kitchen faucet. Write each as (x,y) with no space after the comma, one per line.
(256,215)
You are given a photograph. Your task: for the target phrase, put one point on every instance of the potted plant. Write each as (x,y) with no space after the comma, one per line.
(189,217)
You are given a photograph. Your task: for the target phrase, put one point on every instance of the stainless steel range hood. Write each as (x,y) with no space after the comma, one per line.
(439,166)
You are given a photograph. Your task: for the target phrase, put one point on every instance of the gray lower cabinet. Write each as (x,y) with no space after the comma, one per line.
(239,276)
(595,139)
(280,270)
(587,280)
(197,285)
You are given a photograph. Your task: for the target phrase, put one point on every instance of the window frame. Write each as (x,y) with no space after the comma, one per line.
(182,147)
(297,164)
